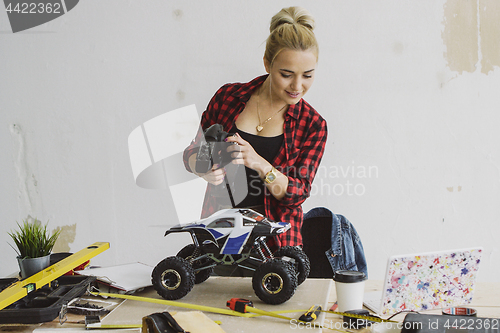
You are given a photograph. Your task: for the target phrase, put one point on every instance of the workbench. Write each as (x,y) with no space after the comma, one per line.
(217,290)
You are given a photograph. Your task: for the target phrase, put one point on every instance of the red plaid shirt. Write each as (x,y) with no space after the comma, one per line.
(305,134)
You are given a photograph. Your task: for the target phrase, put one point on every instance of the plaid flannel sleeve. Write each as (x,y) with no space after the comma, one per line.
(302,173)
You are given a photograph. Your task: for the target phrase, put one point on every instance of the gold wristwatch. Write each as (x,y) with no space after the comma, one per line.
(271,176)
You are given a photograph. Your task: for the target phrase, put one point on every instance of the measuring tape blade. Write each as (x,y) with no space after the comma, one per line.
(266,313)
(176,304)
(252,312)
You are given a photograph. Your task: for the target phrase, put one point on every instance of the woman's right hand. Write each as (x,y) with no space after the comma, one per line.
(215,176)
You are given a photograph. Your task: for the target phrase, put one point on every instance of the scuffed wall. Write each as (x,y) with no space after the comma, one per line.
(489,31)
(472,35)
(410,90)
(24,160)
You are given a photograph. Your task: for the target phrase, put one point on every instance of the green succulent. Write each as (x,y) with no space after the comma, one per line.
(33,239)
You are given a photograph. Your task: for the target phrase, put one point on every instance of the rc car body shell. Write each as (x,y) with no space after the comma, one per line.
(231,229)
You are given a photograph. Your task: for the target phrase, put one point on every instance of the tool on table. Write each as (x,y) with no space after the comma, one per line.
(21,288)
(362,315)
(244,306)
(83,307)
(460,311)
(357,323)
(239,304)
(334,307)
(311,314)
(161,322)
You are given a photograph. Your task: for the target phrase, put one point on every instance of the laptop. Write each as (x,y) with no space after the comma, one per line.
(426,281)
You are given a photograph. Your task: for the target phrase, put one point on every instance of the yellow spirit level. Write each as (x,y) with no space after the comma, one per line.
(19,289)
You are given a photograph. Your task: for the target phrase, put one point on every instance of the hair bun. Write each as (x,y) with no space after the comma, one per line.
(293,16)
(291,28)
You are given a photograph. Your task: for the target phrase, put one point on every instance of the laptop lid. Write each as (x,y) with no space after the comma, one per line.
(430,280)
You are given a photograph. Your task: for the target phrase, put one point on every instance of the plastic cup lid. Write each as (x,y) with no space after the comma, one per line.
(349,276)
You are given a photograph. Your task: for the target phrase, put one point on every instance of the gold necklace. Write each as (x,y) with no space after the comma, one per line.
(260,127)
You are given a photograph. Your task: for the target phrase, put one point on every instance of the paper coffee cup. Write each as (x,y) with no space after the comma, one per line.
(350,287)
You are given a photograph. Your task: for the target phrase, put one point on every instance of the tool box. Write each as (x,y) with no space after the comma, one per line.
(44,304)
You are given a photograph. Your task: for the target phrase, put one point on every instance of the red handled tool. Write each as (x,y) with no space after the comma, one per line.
(239,304)
(244,306)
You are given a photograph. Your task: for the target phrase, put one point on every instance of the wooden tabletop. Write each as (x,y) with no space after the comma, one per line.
(215,292)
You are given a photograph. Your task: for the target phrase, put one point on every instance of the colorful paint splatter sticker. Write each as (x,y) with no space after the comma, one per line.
(430,281)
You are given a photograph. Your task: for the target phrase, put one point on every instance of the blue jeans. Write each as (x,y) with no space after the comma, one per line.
(346,251)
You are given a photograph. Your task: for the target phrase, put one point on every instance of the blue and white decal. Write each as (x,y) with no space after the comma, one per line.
(234,245)
(216,233)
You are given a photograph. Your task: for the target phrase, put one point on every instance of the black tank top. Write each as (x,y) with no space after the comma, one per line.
(268,148)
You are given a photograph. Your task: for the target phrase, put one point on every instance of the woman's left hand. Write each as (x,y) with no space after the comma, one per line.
(243,153)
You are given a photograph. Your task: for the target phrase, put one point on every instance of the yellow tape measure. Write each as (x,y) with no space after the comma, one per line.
(175,303)
(252,312)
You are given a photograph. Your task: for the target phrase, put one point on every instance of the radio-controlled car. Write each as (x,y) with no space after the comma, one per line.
(233,237)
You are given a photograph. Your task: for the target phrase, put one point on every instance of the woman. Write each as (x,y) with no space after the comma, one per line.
(279,137)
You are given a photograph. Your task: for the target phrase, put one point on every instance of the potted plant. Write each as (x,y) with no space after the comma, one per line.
(34,245)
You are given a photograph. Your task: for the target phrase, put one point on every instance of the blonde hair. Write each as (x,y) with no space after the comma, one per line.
(291,28)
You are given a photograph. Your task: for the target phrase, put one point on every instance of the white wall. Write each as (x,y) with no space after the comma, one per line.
(421,135)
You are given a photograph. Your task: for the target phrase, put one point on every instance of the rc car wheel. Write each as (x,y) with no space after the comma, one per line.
(274,281)
(200,276)
(173,278)
(302,264)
